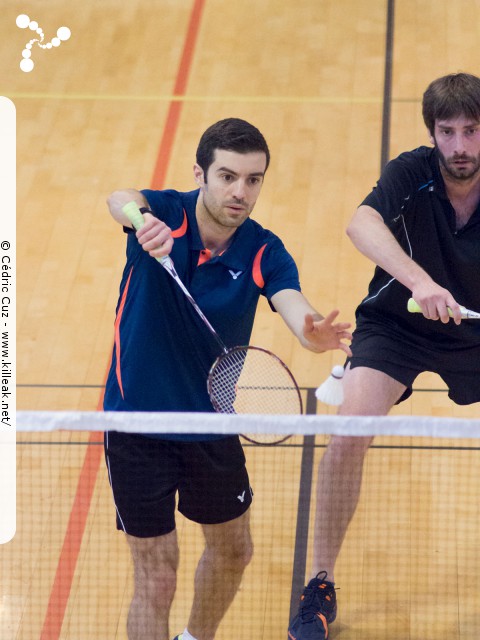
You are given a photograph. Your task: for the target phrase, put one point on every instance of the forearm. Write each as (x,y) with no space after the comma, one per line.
(120,198)
(293,307)
(314,331)
(373,239)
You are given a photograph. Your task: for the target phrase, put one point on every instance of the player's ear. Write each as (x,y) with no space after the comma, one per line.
(198,175)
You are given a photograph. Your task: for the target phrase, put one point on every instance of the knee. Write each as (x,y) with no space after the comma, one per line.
(155,568)
(155,584)
(349,450)
(244,554)
(240,551)
(236,553)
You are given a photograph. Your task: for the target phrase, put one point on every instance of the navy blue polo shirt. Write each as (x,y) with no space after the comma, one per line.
(411,198)
(163,351)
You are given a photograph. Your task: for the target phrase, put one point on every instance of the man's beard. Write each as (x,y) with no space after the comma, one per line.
(460,173)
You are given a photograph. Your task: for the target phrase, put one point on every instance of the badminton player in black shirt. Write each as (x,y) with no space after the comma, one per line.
(421,226)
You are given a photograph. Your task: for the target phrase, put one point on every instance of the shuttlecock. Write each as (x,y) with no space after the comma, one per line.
(331,391)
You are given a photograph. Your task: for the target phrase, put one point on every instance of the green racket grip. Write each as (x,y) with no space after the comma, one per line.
(413,307)
(132,211)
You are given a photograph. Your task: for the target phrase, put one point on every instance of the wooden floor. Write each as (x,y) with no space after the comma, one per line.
(122,104)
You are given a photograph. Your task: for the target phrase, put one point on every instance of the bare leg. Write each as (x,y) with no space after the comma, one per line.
(367,392)
(227,552)
(155,563)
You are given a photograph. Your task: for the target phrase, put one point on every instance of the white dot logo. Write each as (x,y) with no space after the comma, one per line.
(24,22)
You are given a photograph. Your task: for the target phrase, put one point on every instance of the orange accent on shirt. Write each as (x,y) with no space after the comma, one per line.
(182,230)
(118,319)
(257,268)
(204,256)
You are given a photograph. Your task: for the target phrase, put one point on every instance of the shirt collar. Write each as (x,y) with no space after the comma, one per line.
(238,254)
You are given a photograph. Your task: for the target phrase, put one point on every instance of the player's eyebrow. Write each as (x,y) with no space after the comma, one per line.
(445,124)
(234,173)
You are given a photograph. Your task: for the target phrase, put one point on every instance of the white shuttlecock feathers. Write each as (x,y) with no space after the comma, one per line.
(331,391)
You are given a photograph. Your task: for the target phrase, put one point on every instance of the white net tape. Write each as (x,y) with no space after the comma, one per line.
(195,423)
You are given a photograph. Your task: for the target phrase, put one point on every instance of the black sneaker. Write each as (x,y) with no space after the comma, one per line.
(318,609)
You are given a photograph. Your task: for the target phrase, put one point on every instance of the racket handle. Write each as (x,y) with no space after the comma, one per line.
(413,307)
(133,213)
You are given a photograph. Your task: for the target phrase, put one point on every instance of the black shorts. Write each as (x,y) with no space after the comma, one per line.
(146,473)
(379,347)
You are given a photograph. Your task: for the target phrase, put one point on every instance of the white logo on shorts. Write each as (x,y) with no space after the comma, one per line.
(242,497)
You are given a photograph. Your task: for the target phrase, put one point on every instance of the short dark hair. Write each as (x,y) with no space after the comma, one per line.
(457,94)
(231,134)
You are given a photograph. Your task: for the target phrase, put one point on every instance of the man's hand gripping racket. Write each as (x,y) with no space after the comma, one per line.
(242,379)
(466,314)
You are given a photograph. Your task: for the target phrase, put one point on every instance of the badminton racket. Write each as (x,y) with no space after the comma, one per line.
(467,314)
(243,379)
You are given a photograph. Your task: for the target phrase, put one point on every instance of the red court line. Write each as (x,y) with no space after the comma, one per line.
(175,108)
(67,562)
(60,592)
(166,145)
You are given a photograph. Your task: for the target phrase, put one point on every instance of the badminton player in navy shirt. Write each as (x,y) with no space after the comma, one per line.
(160,361)
(421,226)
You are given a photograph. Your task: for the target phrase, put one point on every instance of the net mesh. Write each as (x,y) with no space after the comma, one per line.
(409,566)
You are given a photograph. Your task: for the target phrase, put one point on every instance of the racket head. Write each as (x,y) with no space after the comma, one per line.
(252,380)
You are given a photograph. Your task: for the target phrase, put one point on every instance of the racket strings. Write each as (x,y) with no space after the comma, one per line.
(252,380)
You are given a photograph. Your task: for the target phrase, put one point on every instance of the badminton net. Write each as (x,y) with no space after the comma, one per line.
(409,567)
